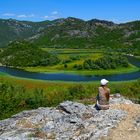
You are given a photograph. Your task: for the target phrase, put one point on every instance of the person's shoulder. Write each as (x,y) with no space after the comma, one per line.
(100,88)
(108,89)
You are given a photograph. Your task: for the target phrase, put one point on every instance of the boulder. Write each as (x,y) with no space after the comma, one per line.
(69,120)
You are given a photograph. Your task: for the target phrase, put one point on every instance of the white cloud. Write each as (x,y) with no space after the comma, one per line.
(26,16)
(22,16)
(54,13)
(8,14)
(51,17)
(46,17)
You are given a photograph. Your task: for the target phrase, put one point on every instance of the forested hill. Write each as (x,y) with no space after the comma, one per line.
(72,33)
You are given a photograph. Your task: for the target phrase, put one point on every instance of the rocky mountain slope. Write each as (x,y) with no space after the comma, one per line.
(71,120)
(11,30)
(72,33)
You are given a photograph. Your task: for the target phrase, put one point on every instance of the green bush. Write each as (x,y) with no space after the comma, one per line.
(106,62)
(77,91)
(15,98)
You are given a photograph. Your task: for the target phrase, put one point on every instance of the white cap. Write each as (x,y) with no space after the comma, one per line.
(104,82)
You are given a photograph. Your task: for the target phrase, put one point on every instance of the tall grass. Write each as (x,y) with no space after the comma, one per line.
(20,94)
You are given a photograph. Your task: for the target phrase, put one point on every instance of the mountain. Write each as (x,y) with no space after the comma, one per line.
(11,30)
(72,33)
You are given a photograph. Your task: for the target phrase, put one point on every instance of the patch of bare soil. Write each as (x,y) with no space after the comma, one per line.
(126,129)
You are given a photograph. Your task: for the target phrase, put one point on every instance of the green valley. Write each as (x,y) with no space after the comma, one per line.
(65,46)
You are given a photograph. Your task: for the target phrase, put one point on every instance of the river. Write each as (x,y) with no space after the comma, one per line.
(73,77)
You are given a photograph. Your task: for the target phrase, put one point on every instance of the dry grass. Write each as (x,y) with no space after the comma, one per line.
(126,130)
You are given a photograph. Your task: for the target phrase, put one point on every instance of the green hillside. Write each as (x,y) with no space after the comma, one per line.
(74,33)
(11,30)
(97,34)
(24,54)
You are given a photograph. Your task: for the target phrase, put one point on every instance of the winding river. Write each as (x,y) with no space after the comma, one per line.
(73,77)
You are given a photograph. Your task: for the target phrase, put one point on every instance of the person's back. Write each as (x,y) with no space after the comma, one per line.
(103,96)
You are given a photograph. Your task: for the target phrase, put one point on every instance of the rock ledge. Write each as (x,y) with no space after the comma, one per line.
(69,120)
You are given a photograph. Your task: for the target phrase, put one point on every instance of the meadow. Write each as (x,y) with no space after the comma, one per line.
(71,57)
(18,94)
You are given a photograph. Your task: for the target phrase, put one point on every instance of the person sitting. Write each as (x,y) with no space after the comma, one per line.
(102,99)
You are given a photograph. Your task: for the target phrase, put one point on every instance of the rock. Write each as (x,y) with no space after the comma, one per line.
(120,100)
(117,95)
(137,121)
(73,108)
(69,120)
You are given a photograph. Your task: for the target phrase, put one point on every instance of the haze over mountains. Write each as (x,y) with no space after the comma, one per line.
(71,33)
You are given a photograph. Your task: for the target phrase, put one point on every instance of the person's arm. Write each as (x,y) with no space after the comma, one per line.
(108,94)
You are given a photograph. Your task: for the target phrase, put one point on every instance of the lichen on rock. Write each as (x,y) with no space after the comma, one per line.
(69,120)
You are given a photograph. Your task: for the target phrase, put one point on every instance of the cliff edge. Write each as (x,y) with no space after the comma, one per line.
(75,121)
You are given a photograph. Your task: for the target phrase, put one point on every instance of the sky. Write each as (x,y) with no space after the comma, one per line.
(118,11)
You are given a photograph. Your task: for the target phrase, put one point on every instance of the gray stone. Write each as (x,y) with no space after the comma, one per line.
(120,100)
(137,121)
(69,120)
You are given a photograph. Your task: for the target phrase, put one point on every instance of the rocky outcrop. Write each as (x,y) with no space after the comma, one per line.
(69,120)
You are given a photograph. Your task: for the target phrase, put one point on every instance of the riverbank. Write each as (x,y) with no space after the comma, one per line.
(130,69)
(69,77)
(18,94)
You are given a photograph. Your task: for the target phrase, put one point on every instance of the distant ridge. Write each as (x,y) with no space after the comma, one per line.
(71,33)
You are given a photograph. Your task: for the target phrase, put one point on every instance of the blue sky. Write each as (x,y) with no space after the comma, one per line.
(37,10)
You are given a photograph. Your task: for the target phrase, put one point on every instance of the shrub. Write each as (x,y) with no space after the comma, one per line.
(65,65)
(106,62)
(77,91)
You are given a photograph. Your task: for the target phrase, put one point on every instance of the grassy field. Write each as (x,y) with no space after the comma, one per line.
(19,94)
(138,57)
(71,51)
(122,87)
(131,68)
(67,56)
(31,83)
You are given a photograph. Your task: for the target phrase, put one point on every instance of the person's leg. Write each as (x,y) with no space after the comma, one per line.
(97,107)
